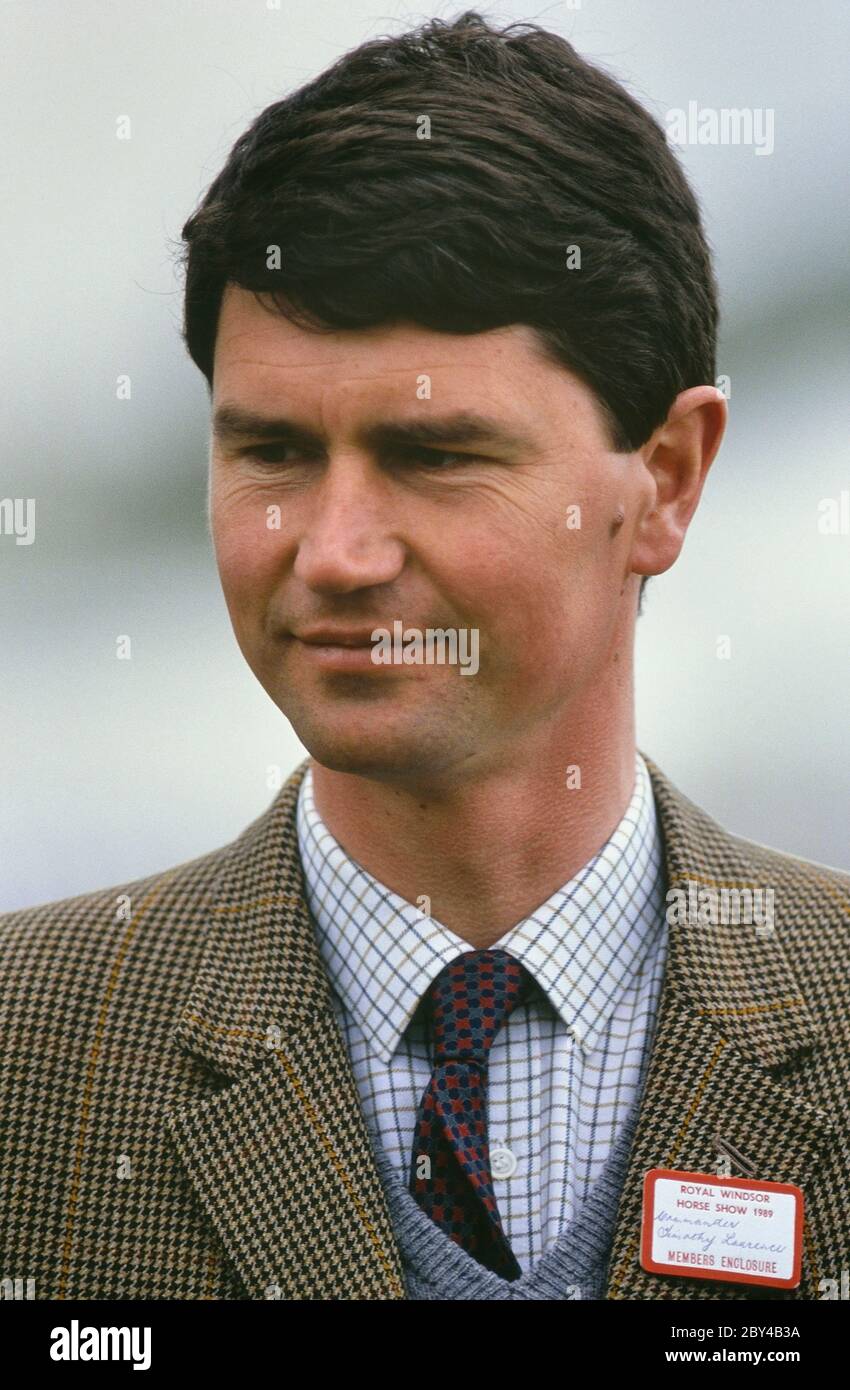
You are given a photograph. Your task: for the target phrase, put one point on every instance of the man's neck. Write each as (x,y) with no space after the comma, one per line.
(486,852)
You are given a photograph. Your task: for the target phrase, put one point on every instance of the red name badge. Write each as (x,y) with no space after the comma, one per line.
(738,1229)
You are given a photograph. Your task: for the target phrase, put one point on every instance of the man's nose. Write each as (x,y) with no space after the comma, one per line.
(348,540)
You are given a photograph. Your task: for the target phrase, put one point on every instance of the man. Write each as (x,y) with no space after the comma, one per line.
(424,1028)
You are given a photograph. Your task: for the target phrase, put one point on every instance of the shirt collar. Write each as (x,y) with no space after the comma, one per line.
(583,945)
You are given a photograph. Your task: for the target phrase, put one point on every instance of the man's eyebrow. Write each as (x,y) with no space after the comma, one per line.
(462,427)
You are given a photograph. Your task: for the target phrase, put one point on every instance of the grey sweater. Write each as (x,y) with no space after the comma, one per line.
(576,1266)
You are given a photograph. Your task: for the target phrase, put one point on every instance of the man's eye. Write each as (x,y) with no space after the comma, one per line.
(272,455)
(439,458)
(269,454)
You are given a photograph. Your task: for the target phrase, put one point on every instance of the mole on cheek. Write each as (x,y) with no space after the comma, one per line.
(618,521)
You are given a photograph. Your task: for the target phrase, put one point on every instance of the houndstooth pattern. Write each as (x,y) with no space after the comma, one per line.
(180,1119)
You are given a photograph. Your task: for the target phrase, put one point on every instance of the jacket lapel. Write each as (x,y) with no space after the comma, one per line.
(731,1016)
(276,1147)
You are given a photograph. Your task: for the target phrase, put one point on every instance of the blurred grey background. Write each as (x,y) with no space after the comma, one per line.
(114,769)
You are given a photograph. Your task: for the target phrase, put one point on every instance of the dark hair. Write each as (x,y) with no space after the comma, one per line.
(531,150)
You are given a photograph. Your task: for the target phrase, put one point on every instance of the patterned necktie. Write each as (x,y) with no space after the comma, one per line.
(470,1000)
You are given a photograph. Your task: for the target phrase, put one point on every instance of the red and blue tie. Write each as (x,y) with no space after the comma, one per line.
(450,1173)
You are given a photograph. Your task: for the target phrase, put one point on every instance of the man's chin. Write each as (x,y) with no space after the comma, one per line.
(367,749)
(381,758)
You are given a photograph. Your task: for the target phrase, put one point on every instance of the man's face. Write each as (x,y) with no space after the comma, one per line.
(343,519)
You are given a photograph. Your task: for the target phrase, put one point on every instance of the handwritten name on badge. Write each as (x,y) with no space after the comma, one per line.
(737,1229)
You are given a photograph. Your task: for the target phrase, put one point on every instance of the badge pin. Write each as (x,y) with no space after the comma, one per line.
(701,1226)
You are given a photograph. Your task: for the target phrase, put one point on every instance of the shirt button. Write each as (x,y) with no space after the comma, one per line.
(503,1163)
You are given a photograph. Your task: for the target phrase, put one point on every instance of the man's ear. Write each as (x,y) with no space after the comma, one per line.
(677,456)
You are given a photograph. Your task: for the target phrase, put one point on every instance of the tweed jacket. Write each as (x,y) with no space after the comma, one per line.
(180,1119)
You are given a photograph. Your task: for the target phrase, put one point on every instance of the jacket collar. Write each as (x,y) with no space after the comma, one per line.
(259,1016)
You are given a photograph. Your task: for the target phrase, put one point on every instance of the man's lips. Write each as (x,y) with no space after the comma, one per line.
(337,636)
(341,649)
